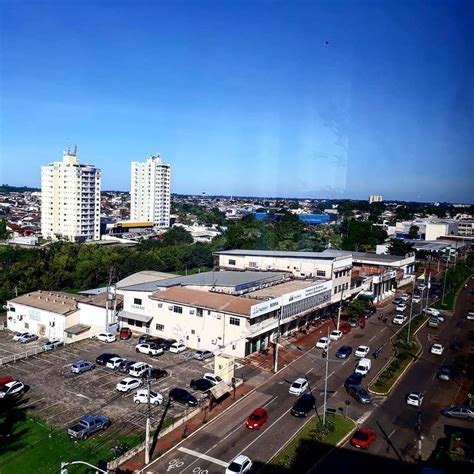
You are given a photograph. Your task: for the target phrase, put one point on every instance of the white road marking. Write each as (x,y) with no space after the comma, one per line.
(270,401)
(332,373)
(364,417)
(391,434)
(373,337)
(310,370)
(203,456)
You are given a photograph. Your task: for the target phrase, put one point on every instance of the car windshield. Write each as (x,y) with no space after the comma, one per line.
(296,385)
(360,435)
(255,416)
(234,467)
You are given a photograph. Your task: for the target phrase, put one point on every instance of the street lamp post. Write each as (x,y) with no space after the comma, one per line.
(326,383)
(340,308)
(411,312)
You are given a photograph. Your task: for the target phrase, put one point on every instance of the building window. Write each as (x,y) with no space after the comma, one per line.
(321,273)
(193,331)
(160,327)
(199,312)
(12,309)
(137,301)
(138,324)
(231,262)
(69,335)
(178,309)
(234,321)
(252,264)
(27,325)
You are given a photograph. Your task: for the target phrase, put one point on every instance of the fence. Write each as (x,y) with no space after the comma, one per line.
(21,355)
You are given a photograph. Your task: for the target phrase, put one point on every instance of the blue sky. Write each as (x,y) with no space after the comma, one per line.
(302,98)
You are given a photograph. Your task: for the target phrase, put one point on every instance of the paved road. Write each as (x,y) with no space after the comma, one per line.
(397,419)
(210,450)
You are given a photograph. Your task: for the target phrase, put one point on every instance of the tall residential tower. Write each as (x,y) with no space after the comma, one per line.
(70,199)
(150,192)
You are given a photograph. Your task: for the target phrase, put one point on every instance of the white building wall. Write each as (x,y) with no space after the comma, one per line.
(138,302)
(150,191)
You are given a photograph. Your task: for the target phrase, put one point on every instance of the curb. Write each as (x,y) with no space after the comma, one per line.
(415,358)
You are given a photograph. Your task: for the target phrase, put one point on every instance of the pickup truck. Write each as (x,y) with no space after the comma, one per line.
(88,425)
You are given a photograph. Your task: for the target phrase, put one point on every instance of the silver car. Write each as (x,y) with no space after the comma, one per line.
(459,411)
(203,355)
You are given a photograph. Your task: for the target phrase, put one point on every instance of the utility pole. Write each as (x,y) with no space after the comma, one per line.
(444,282)
(147,427)
(428,286)
(411,312)
(275,365)
(340,308)
(326,383)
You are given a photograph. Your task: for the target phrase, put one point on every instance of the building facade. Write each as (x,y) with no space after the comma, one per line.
(375,198)
(70,200)
(150,192)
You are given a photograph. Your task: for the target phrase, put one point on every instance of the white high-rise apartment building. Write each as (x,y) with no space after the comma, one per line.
(70,199)
(375,198)
(150,192)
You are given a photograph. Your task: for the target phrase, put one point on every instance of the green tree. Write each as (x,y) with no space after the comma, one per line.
(177,236)
(4,233)
(362,236)
(399,247)
(413,232)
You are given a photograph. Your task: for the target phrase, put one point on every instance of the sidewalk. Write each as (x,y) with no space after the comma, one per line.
(171,439)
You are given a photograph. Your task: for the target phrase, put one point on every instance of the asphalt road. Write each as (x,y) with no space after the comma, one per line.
(212,448)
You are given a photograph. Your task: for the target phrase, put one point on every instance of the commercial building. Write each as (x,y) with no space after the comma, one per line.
(150,192)
(375,198)
(70,200)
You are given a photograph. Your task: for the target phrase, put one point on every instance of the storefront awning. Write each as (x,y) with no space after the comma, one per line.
(220,390)
(136,317)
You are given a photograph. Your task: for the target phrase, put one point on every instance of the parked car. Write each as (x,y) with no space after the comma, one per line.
(128,383)
(362,351)
(363,438)
(125,334)
(177,347)
(404,297)
(415,399)
(416,299)
(142,395)
(6,379)
(433,323)
(203,355)
(344,352)
(153,374)
(304,405)
(397,300)
(299,386)
(445,373)
(345,328)
(335,335)
(145,338)
(104,358)
(81,366)
(19,335)
(437,349)
(182,396)
(12,389)
(125,365)
(114,362)
(52,344)
(359,393)
(431,311)
(88,425)
(26,338)
(470,315)
(459,411)
(138,369)
(257,418)
(239,465)
(165,344)
(201,385)
(353,380)
(150,349)
(323,343)
(401,307)
(215,379)
(353,322)
(399,319)
(106,337)
(421,286)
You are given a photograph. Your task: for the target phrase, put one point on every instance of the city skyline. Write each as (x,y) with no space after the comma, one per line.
(307,100)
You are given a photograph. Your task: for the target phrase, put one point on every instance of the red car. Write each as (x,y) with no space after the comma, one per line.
(345,328)
(125,333)
(257,419)
(363,438)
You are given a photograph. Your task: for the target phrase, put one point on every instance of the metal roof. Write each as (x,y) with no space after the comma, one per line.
(277,253)
(136,317)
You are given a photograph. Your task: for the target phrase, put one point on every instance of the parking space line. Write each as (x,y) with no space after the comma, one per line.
(42,359)
(49,406)
(203,456)
(270,401)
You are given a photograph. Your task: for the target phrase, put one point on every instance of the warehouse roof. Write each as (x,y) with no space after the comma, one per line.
(54,301)
(145,276)
(278,253)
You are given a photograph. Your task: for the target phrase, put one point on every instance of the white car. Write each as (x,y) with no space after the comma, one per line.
(127,384)
(440,318)
(432,311)
(239,465)
(177,347)
(150,349)
(401,307)
(114,362)
(335,335)
(405,297)
(415,399)
(399,319)
(298,386)
(11,389)
(106,337)
(323,343)
(470,316)
(437,349)
(215,379)
(141,396)
(421,286)
(416,299)
(20,335)
(362,351)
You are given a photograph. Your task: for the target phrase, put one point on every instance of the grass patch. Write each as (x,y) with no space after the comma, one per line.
(34,446)
(448,302)
(405,352)
(305,449)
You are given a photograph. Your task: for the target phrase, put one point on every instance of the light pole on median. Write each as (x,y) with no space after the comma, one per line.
(340,308)
(326,381)
(411,312)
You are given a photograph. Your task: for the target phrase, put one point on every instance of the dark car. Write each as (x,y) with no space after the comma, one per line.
(446,373)
(359,393)
(125,365)
(165,344)
(353,379)
(353,322)
(202,385)
(145,338)
(125,334)
(397,301)
(181,395)
(304,405)
(154,374)
(104,358)
(344,352)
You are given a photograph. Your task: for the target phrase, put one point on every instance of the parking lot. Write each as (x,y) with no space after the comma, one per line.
(9,348)
(60,397)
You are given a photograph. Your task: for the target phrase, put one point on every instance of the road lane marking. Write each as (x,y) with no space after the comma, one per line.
(203,456)
(391,434)
(332,373)
(310,370)
(270,401)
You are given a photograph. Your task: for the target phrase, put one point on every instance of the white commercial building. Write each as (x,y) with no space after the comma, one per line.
(70,200)
(150,192)
(375,198)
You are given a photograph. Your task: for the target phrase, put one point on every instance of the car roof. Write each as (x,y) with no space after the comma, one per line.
(363,347)
(240,459)
(300,380)
(129,379)
(259,411)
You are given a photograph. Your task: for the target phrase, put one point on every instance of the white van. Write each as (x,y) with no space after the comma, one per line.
(363,366)
(138,369)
